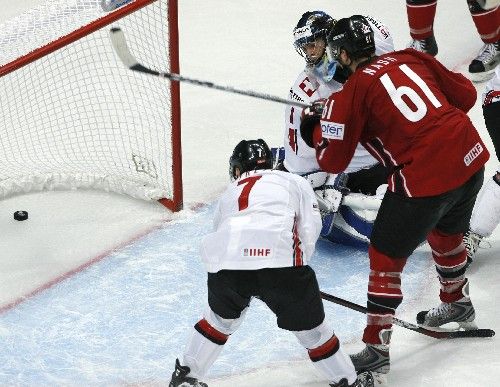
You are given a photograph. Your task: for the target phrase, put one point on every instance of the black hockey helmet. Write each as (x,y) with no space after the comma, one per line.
(249,155)
(311,26)
(353,34)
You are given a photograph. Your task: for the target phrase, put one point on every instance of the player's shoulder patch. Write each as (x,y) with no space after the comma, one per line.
(332,130)
(384,31)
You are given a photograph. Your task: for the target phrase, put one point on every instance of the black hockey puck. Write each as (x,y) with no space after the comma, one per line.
(21,215)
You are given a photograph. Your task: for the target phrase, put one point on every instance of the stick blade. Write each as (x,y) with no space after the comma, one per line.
(121,48)
(481,332)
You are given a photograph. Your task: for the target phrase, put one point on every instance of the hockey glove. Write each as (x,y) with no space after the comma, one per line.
(310,117)
(331,194)
(329,199)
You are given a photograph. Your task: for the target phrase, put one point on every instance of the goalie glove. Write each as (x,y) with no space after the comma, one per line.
(330,196)
(329,199)
(310,117)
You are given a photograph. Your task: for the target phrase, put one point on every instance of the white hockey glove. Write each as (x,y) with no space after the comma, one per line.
(329,198)
(331,194)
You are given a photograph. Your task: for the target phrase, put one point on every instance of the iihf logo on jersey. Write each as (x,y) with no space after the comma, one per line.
(256,252)
(472,154)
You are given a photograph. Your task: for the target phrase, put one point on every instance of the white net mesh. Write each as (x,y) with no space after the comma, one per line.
(77,117)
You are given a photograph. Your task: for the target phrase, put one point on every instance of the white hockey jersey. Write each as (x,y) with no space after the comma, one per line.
(300,158)
(264,219)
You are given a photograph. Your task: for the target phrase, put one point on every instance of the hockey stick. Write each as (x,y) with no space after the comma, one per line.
(413,327)
(121,48)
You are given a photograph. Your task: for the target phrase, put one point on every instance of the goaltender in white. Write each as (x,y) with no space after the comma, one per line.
(265,230)
(321,77)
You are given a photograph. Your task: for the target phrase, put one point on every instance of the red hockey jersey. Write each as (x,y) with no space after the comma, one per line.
(409,111)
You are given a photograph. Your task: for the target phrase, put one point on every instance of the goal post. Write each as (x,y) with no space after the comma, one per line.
(73,116)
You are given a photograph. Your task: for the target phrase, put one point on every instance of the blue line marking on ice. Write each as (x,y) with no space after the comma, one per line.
(126,319)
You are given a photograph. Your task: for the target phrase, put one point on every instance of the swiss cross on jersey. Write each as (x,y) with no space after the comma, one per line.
(307,87)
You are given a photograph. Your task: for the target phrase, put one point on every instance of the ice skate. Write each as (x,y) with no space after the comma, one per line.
(483,66)
(427,45)
(180,378)
(364,379)
(471,241)
(460,312)
(374,357)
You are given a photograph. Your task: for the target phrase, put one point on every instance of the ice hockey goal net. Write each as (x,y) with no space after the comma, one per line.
(73,116)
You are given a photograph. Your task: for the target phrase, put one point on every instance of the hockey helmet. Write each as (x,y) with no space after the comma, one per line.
(353,34)
(311,26)
(249,155)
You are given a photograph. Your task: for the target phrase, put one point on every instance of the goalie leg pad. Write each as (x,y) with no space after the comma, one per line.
(486,214)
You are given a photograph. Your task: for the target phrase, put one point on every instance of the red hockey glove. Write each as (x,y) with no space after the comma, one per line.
(310,117)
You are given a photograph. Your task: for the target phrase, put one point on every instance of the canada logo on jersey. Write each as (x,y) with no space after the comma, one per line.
(256,252)
(332,130)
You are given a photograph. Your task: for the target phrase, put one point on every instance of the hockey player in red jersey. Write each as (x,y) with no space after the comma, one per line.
(410,112)
(265,230)
(486,214)
(486,17)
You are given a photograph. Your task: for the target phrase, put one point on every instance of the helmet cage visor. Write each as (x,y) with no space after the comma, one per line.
(312,50)
(312,30)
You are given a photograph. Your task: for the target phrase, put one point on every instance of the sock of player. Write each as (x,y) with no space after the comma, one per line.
(384,294)
(421,15)
(204,347)
(486,21)
(450,258)
(207,341)
(326,354)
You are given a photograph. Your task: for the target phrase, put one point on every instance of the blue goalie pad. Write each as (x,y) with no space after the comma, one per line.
(349,227)
(278,155)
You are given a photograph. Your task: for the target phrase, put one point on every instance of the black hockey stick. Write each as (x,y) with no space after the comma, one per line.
(413,327)
(121,48)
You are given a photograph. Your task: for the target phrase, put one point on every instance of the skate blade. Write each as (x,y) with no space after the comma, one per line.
(481,77)
(452,327)
(379,379)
